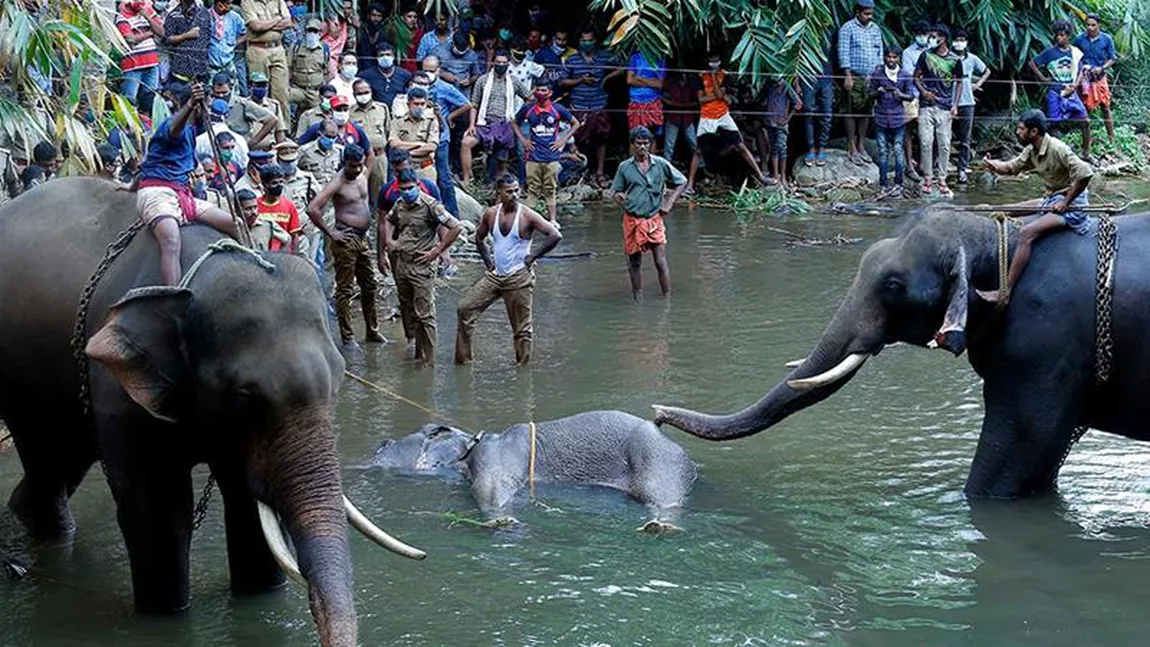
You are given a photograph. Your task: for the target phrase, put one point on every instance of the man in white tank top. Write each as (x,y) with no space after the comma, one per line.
(510,269)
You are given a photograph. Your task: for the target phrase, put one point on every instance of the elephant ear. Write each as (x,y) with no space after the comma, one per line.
(141,345)
(952,334)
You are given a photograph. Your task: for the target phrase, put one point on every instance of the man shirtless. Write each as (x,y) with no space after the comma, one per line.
(510,269)
(353,263)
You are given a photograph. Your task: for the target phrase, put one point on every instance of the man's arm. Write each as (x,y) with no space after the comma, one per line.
(680,181)
(543,226)
(448,238)
(1036,71)
(180,119)
(316,206)
(267,124)
(482,229)
(384,242)
(1014,166)
(1073,192)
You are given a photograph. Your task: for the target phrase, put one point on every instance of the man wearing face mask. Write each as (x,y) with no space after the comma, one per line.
(410,230)
(587,75)
(553,59)
(386,79)
(910,56)
(313,116)
(436,40)
(228,30)
(459,65)
(308,68)
(253,179)
(274,207)
(974,74)
(494,94)
(348,73)
(321,157)
(939,81)
(524,70)
(543,120)
(300,187)
(349,131)
(228,171)
(218,112)
(259,97)
(417,132)
(374,118)
(266,21)
(455,117)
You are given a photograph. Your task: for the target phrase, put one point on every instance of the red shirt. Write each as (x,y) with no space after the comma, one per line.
(284,214)
(143,54)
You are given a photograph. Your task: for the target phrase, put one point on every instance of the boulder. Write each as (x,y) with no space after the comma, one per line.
(838,170)
(469,208)
(578,193)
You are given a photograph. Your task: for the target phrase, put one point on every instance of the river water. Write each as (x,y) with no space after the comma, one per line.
(844,525)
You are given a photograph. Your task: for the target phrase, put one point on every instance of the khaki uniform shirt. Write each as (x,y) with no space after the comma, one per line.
(245,182)
(309,117)
(308,67)
(272,106)
(375,120)
(300,190)
(264,10)
(415,225)
(246,116)
(323,165)
(1058,166)
(410,129)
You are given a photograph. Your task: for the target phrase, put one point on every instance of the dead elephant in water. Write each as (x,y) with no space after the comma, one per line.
(606,448)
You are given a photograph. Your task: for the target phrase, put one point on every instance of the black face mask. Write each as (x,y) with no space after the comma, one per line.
(275,191)
(501,69)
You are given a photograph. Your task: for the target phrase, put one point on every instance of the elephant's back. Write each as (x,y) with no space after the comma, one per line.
(601,445)
(51,239)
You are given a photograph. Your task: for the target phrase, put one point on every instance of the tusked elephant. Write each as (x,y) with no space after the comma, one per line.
(1036,358)
(237,370)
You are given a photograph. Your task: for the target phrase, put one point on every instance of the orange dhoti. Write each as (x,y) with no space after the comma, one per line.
(643,234)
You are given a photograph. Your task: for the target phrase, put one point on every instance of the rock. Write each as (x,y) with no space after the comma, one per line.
(469,208)
(578,193)
(838,170)
(842,194)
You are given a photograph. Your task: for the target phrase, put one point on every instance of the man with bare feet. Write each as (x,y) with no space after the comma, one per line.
(348,193)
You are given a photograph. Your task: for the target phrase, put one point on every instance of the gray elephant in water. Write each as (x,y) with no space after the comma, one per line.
(1036,358)
(606,448)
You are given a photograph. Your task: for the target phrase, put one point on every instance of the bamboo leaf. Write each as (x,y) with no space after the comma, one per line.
(619,16)
(624,29)
(74,84)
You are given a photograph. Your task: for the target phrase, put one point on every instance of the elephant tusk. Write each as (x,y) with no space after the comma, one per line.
(270,524)
(844,368)
(795,363)
(360,522)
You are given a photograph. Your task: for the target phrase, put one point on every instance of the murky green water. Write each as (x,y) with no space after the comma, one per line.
(845,525)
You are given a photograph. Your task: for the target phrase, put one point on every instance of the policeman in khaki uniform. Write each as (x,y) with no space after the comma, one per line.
(259,96)
(247,119)
(322,156)
(266,21)
(308,68)
(321,111)
(374,118)
(417,132)
(300,187)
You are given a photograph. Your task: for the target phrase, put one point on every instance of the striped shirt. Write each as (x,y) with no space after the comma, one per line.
(143,54)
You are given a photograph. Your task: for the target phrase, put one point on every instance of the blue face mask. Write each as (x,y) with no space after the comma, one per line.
(326,142)
(409,195)
(417,113)
(298,12)
(259,94)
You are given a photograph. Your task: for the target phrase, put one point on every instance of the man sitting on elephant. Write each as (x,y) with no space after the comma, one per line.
(163,198)
(1065,176)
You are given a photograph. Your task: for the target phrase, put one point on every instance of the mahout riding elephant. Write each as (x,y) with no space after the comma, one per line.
(236,370)
(605,448)
(1036,358)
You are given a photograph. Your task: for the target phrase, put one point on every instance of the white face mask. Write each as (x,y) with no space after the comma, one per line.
(386,62)
(340,117)
(311,40)
(921,40)
(959,45)
(363,99)
(932,42)
(348,71)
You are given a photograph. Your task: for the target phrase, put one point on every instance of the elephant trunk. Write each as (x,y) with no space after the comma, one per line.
(299,470)
(833,362)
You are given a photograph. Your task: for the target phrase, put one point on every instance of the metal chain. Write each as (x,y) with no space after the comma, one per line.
(201,510)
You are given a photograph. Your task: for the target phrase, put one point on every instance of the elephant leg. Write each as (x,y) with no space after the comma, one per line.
(51,473)
(1025,432)
(154,509)
(250,563)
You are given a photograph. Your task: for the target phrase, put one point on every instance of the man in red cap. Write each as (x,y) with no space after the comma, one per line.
(349,131)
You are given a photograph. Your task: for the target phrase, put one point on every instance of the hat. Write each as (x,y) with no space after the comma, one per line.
(259,77)
(313,24)
(339,101)
(864,4)
(220,107)
(258,155)
(287,151)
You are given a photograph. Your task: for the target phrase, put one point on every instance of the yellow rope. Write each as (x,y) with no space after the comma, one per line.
(373,385)
(531,463)
(1000,221)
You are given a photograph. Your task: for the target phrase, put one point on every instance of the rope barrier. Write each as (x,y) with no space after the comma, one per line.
(368,383)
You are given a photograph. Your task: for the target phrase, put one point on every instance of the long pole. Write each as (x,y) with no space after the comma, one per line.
(230,189)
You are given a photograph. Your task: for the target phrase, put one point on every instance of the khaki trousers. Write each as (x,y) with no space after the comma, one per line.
(354,264)
(415,289)
(303,98)
(273,62)
(518,292)
(542,183)
(377,177)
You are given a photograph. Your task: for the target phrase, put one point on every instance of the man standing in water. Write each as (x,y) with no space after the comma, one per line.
(639,185)
(1065,177)
(349,247)
(410,230)
(510,269)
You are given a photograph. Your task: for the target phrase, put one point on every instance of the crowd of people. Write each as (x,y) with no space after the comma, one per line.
(305,128)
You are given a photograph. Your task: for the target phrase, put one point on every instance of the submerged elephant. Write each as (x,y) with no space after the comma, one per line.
(606,448)
(236,370)
(1036,359)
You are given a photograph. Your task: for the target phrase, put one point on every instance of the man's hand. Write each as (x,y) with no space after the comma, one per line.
(954,111)
(528,146)
(849,82)
(470,132)
(381,262)
(340,236)
(929,96)
(989,163)
(558,145)
(193,33)
(197,93)
(427,257)
(619,198)
(1061,207)
(799,106)
(528,261)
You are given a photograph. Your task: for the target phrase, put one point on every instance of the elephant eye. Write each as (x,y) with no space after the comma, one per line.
(893,285)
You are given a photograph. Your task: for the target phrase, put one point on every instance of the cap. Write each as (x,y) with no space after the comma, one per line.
(258,155)
(287,151)
(259,77)
(339,101)
(865,4)
(220,107)
(313,24)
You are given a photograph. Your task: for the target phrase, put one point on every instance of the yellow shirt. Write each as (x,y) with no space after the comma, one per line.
(1058,166)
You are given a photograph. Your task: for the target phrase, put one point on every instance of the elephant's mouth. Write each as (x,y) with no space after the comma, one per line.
(277,543)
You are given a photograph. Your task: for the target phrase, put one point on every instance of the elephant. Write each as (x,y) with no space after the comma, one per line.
(236,369)
(606,448)
(1036,357)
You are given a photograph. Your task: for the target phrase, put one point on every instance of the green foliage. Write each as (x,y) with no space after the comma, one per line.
(751,204)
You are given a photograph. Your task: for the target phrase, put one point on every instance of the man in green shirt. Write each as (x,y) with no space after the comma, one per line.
(639,186)
(1065,177)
